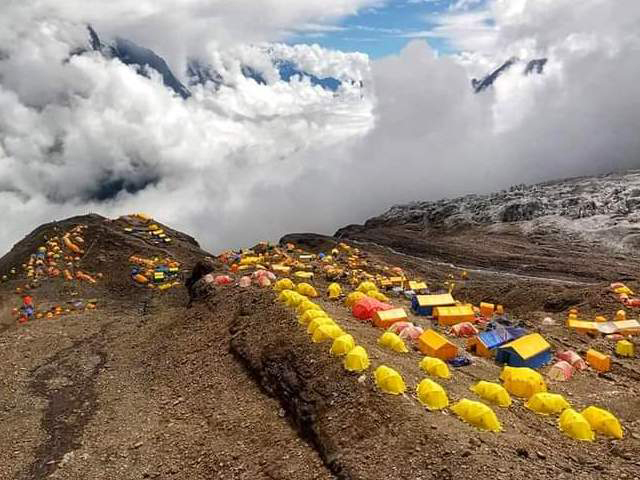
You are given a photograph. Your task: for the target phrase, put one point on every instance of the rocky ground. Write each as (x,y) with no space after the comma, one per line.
(231,387)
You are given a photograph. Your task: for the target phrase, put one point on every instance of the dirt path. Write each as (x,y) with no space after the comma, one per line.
(481,271)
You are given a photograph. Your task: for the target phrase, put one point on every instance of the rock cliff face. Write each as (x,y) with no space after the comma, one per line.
(603,208)
(560,228)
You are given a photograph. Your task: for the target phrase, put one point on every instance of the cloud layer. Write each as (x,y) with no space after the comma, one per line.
(250,161)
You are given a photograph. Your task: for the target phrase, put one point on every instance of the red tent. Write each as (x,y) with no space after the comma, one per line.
(561,371)
(411,333)
(222,280)
(399,327)
(464,329)
(573,359)
(366,307)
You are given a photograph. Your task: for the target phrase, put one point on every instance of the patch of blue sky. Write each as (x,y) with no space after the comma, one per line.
(385,30)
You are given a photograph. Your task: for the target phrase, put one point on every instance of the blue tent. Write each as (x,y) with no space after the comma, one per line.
(499,336)
(424,304)
(531,351)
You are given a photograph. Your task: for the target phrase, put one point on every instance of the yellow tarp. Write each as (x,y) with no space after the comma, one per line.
(356,360)
(393,342)
(477,414)
(389,381)
(432,395)
(436,367)
(575,425)
(492,392)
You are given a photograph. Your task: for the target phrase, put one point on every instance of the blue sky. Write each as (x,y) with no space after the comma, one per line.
(387,29)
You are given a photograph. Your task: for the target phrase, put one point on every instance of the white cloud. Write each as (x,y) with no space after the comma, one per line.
(472,30)
(251,162)
(466,4)
(178,28)
(319,28)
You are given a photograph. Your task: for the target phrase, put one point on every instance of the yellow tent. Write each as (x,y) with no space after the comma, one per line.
(432,395)
(624,348)
(433,344)
(307,290)
(281,269)
(366,287)
(581,326)
(424,304)
(435,366)
(284,284)
(547,403)
(381,297)
(326,332)
(522,381)
(356,360)
(309,315)
(417,286)
(386,318)
(285,296)
(575,425)
(393,342)
(317,322)
(603,421)
(249,260)
(353,298)
(389,381)
(342,345)
(307,305)
(453,315)
(304,275)
(334,290)
(477,414)
(492,392)
(294,299)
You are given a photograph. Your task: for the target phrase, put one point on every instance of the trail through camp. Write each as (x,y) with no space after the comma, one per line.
(130,352)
